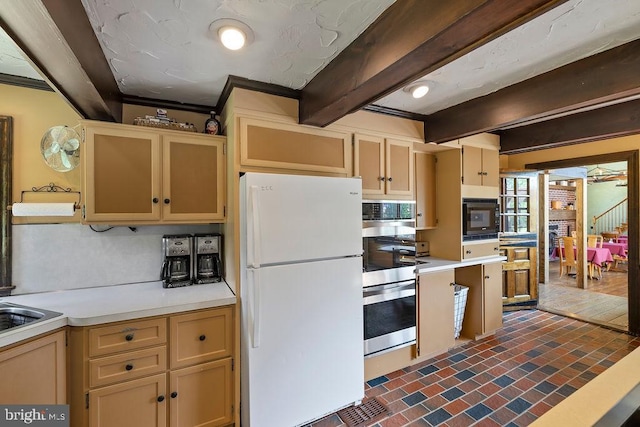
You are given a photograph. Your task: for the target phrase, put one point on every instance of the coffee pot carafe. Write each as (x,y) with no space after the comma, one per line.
(177,265)
(208,264)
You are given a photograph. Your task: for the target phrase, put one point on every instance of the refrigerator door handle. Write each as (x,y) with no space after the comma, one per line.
(254,307)
(254,214)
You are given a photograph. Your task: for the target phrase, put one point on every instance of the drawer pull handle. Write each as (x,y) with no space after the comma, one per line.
(129,337)
(128,367)
(202,337)
(174,394)
(160,399)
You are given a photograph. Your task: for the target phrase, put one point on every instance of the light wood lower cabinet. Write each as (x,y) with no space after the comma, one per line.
(171,370)
(483,314)
(34,372)
(435,313)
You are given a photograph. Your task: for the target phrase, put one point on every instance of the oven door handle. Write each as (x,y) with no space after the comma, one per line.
(386,292)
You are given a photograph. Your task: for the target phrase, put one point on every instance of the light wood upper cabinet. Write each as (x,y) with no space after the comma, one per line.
(385,165)
(425,171)
(268,144)
(480,166)
(34,373)
(138,175)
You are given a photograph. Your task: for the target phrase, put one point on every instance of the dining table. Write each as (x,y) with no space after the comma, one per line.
(616,248)
(596,256)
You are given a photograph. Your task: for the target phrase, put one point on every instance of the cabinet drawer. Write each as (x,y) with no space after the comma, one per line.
(127,336)
(127,366)
(201,337)
(480,250)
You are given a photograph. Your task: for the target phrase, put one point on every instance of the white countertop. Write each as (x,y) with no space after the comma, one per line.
(431,264)
(92,306)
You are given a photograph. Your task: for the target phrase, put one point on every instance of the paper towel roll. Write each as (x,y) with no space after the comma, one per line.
(43,209)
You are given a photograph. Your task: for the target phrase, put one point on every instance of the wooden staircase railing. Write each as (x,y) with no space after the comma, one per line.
(612,219)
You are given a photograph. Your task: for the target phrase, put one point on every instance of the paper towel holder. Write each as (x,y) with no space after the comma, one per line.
(51,188)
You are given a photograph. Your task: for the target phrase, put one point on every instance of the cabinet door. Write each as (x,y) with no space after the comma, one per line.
(136,403)
(435,313)
(492,297)
(202,395)
(193,178)
(399,167)
(34,373)
(472,165)
(369,163)
(121,171)
(490,168)
(201,337)
(425,170)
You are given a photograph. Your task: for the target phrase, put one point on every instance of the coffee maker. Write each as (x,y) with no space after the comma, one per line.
(177,265)
(207,252)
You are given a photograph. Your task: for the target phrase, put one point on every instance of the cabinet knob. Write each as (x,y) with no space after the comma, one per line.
(487,277)
(468,252)
(389,179)
(128,367)
(418,214)
(381,178)
(160,399)
(155,200)
(485,173)
(129,337)
(496,249)
(202,337)
(174,394)
(167,201)
(480,173)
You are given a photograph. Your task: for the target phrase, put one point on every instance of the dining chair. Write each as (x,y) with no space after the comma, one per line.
(610,236)
(567,255)
(594,241)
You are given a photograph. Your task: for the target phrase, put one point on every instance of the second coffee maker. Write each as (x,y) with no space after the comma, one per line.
(207,258)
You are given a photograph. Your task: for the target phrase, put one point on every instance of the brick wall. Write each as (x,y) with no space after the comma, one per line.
(565,196)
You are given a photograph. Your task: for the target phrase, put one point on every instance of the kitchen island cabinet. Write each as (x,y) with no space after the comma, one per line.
(385,165)
(141,175)
(34,372)
(174,370)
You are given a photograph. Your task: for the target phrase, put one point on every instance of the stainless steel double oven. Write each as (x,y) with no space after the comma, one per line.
(389,286)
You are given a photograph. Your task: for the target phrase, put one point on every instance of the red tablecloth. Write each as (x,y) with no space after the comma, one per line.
(623,239)
(616,248)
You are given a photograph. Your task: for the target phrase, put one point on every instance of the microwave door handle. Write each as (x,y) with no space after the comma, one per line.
(254,214)
(253,302)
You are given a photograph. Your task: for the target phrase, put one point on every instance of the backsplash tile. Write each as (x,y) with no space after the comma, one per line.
(50,257)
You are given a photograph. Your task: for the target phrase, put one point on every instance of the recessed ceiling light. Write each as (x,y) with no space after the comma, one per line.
(418,89)
(232,38)
(232,33)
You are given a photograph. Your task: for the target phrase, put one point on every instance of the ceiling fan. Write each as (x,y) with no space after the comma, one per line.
(602,174)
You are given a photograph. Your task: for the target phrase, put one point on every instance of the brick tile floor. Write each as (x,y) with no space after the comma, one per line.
(534,362)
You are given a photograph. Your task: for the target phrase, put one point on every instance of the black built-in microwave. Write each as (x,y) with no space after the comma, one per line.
(480,219)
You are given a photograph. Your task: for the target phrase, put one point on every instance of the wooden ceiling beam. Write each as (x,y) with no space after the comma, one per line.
(603,123)
(57,38)
(598,79)
(409,40)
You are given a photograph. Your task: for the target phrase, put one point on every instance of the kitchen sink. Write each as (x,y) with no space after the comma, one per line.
(14,316)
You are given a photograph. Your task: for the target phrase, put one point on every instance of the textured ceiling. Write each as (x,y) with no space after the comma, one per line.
(163,49)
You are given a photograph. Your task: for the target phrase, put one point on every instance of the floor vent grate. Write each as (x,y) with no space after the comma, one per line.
(368,412)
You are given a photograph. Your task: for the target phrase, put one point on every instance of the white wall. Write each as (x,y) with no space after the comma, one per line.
(50,257)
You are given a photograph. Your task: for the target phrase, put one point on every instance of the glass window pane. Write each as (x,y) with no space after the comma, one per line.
(509,186)
(523,204)
(510,204)
(523,224)
(509,224)
(522,185)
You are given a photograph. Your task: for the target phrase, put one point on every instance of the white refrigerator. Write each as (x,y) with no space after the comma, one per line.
(301,297)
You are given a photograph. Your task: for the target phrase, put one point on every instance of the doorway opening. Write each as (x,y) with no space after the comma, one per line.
(584,224)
